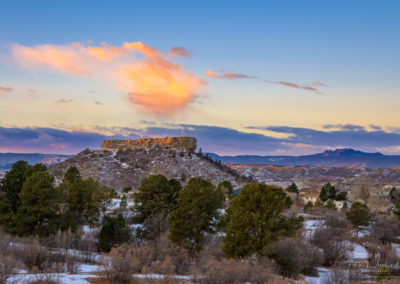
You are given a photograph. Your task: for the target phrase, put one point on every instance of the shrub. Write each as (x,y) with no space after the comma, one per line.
(36,257)
(293,258)
(8,266)
(385,255)
(383,273)
(232,271)
(331,241)
(386,229)
(336,221)
(120,264)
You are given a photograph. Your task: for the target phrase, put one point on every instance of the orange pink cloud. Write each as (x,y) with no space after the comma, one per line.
(226,75)
(5,89)
(153,82)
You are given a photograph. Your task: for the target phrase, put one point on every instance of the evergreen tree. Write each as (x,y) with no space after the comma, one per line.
(308,206)
(330,204)
(123,204)
(12,183)
(195,215)
(254,219)
(72,175)
(126,189)
(156,196)
(226,187)
(292,188)
(10,187)
(358,215)
(84,199)
(397,211)
(38,212)
(393,194)
(341,196)
(114,233)
(328,191)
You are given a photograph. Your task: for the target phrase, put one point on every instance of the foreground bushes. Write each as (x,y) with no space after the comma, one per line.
(30,254)
(294,257)
(164,258)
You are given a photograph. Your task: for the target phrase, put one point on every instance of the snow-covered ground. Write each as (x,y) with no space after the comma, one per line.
(84,271)
(320,279)
(310,226)
(115,204)
(359,252)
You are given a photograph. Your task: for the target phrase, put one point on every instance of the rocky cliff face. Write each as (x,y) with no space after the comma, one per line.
(174,143)
(127,167)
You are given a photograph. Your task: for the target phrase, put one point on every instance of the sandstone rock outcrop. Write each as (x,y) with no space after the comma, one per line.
(173,143)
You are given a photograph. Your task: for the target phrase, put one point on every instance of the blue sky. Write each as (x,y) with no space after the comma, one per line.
(295,64)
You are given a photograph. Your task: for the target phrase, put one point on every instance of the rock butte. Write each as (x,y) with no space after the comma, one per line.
(175,143)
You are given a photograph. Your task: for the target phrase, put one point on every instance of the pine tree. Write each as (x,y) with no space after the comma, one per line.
(12,183)
(10,188)
(226,187)
(197,209)
(113,233)
(72,175)
(84,200)
(358,215)
(308,206)
(254,219)
(156,196)
(330,204)
(328,191)
(292,188)
(123,204)
(40,203)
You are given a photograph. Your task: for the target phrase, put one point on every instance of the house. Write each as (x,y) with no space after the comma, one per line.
(308,197)
(340,203)
(380,206)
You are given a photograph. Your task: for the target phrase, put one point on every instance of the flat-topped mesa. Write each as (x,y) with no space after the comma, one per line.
(174,143)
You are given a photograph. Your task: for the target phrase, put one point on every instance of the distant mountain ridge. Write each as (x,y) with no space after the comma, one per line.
(340,157)
(8,159)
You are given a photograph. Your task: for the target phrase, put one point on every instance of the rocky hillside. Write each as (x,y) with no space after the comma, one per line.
(127,167)
(312,178)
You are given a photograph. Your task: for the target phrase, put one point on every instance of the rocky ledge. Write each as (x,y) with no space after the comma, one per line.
(173,143)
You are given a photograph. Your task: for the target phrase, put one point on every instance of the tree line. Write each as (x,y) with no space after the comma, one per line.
(30,203)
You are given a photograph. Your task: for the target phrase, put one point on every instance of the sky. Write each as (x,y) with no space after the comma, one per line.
(243,77)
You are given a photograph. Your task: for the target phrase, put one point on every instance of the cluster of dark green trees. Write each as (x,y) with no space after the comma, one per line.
(329,192)
(30,204)
(252,221)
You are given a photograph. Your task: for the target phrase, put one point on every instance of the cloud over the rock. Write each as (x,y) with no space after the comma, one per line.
(154,83)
